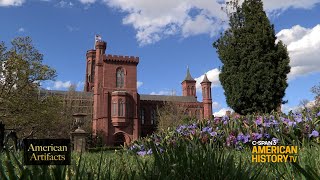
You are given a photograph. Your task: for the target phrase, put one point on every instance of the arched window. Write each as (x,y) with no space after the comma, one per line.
(142,115)
(114,108)
(120,78)
(121,107)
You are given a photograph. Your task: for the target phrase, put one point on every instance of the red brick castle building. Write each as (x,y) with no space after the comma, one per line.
(120,113)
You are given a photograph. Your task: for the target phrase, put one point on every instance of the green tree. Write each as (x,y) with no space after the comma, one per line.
(171,115)
(255,64)
(21,72)
(316,91)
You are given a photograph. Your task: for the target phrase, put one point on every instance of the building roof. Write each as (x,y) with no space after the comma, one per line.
(188,76)
(57,92)
(205,79)
(146,97)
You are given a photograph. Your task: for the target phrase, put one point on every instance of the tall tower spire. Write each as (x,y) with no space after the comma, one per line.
(206,97)
(188,85)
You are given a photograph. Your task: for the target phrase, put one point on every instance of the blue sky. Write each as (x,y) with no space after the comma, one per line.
(167,35)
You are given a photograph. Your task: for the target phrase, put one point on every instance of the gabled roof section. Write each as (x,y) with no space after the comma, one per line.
(146,97)
(188,76)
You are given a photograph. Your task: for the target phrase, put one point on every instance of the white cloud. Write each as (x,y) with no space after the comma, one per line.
(72,28)
(213,76)
(285,108)
(222,112)
(80,85)
(154,20)
(139,84)
(11,2)
(21,29)
(215,105)
(276,5)
(303,46)
(61,84)
(64,4)
(87,1)
(164,92)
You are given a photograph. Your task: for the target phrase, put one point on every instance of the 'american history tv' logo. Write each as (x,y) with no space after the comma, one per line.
(269,151)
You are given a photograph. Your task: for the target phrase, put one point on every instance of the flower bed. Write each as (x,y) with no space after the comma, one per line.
(238,132)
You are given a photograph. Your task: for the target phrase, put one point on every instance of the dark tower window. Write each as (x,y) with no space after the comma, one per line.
(153,116)
(142,116)
(92,70)
(120,78)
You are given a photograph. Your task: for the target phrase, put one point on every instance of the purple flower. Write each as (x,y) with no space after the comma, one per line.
(213,133)
(142,153)
(149,151)
(243,138)
(256,136)
(285,120)
(290,123)
(274,122)
(267,135)
(318,114)
(259,121)
(216,120)
(298,119)
(314,134)
(207,129)
(225,118)
(133,147)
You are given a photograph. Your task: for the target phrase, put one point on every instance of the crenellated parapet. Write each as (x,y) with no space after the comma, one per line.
(116,58)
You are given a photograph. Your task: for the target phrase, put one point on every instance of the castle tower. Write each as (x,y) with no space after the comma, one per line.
(113,81)
(188,85)
(90,67)
(99,124)
(206,97)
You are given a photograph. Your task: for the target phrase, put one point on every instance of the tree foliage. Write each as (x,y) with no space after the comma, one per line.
(171,115)
(255,64)
(21,72)
(316,91)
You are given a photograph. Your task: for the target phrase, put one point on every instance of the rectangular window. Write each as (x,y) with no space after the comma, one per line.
(142,116)
(153,116)
(121,108)
(114,109)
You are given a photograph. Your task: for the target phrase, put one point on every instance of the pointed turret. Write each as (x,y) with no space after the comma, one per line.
(189,85)
(205,79)
(188,76)
(206,97)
